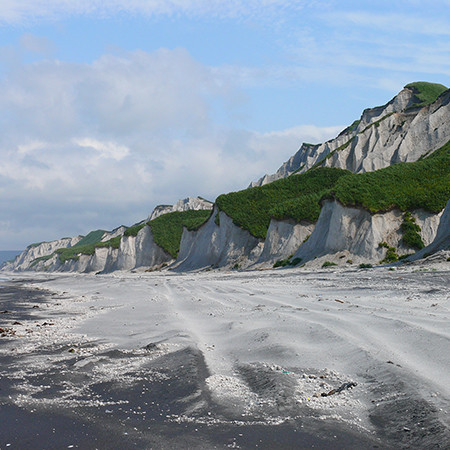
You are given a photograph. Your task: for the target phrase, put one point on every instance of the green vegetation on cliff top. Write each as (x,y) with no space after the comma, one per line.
(406,186)
(91,238)
(168,228)
(134,229)
(295,197)
(426,93)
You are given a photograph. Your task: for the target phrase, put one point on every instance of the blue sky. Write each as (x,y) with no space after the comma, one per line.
(109,108)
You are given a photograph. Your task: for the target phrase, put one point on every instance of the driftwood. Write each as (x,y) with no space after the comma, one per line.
(341,388)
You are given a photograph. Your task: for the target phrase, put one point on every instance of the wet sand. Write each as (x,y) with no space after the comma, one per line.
(225,360)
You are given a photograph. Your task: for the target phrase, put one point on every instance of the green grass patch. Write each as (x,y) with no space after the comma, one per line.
(425,93)
(295,197)
(134,229)
(114,243)
(74,252)
(168,228)
(406,186)
(328,264)
(91,238)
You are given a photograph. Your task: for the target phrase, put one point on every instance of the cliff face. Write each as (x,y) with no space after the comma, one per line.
(133,252)
(217,245)
(359,233)
(389,134)
(284,237)
(36,251)
(140,251)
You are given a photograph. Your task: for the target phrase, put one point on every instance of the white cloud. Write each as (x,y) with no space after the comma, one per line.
(394,22)
(15,11)
(86,146)
(105,149)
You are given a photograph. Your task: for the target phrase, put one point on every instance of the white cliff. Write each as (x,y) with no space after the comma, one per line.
(141,251)
(42,250)
(114,233)
(189,203)
(283,239)
(133,252)
(212,245)
(359,233)
(389,134)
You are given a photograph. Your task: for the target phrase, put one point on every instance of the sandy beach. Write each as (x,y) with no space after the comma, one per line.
(287,358)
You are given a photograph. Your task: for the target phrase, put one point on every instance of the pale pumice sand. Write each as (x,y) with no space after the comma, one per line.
(274,341)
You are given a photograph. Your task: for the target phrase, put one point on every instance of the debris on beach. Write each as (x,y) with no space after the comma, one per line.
(7,332)
(342,387)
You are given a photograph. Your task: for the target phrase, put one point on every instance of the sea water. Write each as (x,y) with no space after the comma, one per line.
(8,255)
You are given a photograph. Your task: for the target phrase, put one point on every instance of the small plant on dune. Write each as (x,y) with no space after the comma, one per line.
(328,264)
(282,263)
(287,262)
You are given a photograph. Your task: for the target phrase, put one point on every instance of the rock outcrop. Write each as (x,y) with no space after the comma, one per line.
(360,233)
(389,134)
(442,240)
(217,245)
(189,203)
(284,237)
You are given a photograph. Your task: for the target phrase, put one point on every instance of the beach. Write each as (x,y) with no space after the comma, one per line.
(321,358)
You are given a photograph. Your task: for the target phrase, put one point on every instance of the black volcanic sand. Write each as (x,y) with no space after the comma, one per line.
(162,402)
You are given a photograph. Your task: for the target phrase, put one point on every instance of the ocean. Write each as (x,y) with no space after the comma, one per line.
(7,255)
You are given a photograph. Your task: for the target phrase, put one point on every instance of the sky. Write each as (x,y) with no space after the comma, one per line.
(109,108)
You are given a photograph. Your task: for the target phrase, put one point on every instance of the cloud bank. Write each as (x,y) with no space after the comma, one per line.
(89,145)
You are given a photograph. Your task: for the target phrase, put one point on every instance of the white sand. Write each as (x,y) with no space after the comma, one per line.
(315,329)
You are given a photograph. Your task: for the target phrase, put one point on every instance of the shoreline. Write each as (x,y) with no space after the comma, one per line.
(259,349)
